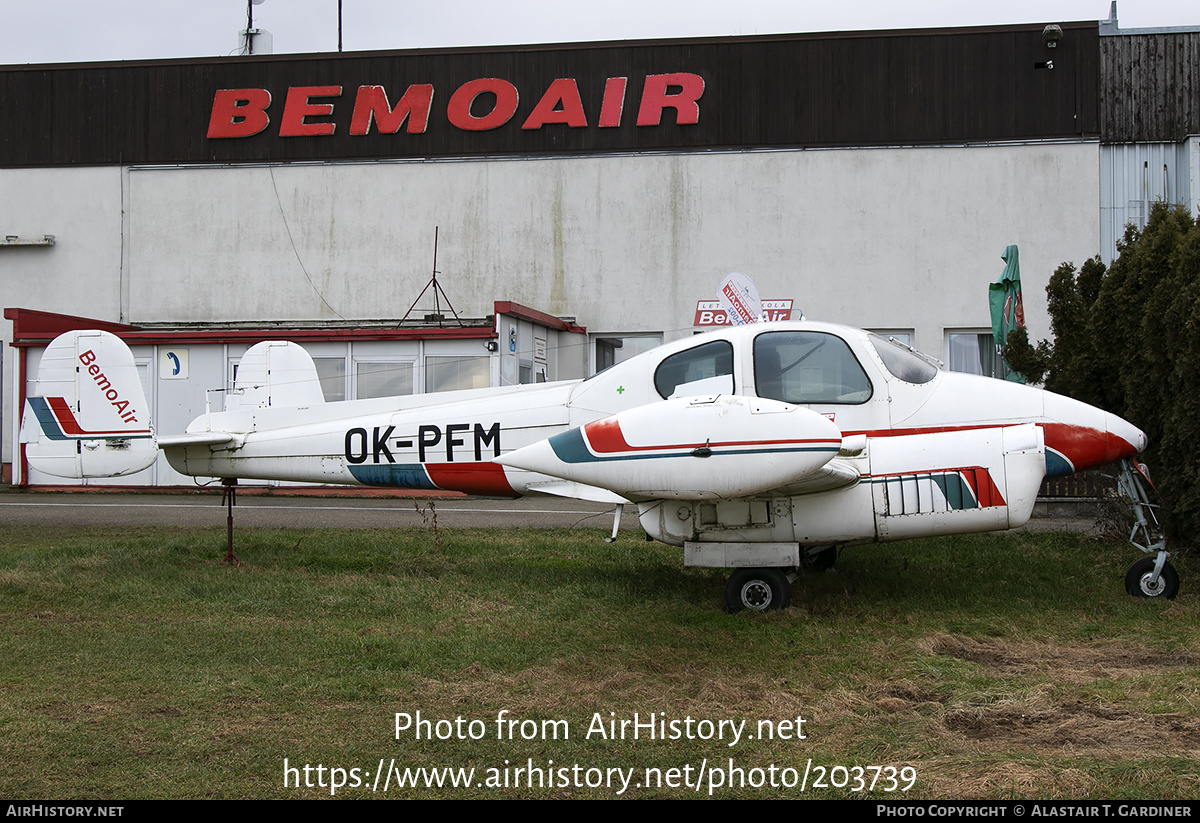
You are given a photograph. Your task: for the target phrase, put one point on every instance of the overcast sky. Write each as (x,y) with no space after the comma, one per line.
(46,31)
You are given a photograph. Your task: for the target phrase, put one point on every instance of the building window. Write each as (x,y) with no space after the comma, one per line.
(453,373)
(383,379)
(905,336)
(331,371)
(974,352)
(614,349)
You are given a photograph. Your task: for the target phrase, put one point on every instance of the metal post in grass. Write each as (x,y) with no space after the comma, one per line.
(229,498)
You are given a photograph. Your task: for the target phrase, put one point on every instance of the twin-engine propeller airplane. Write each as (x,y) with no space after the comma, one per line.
(761,447)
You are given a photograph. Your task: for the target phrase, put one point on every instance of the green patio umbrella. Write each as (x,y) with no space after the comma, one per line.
(1004,297)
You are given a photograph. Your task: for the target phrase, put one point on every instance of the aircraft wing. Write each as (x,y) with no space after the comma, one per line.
(695,448)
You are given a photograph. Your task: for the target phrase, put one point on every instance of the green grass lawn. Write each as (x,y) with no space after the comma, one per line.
(135,664)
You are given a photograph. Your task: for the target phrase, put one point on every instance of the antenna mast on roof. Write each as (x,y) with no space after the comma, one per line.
(438,293)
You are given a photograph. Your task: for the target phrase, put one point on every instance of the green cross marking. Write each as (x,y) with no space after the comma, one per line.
(620,389)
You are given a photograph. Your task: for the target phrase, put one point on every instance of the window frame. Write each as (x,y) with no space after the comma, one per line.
(679,354)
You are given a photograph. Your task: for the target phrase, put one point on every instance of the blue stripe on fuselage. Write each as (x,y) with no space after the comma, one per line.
(404,475)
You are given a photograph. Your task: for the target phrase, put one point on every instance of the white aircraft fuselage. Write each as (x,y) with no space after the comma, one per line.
(753,447)
(835,448)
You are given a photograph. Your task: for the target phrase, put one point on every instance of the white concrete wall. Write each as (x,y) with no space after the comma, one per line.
(881,237)
(905,238)
(79,274)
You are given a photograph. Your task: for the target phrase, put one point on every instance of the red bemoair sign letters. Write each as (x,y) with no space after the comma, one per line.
(477,105)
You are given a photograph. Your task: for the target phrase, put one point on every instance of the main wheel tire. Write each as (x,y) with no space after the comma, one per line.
(759,590)
(1137,580)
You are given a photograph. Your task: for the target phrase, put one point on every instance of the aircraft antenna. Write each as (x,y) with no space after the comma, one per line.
(438,294)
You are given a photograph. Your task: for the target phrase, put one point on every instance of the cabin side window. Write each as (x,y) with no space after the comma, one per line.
(808,367)
(710,360)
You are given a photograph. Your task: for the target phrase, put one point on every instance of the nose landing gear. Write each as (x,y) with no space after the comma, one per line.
(1152,576)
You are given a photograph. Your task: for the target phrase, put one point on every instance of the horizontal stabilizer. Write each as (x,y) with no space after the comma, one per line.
(86,414)
(195,439)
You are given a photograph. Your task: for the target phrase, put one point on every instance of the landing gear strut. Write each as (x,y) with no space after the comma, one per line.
(1152,576)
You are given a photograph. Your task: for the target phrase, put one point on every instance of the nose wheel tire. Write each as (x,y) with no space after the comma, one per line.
(1139,582)
(759,590)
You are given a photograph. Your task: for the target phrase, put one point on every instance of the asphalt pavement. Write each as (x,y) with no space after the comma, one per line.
(19,507)
(306,508)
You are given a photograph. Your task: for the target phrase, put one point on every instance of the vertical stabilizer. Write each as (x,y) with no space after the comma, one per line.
(86,414)
(273,374)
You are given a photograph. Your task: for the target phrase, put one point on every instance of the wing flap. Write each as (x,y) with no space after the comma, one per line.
(578,491)
(836,474)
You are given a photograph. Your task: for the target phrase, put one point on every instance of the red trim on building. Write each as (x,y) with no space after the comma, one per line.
(36,328)
(33,324)
(22,460)
(510,309)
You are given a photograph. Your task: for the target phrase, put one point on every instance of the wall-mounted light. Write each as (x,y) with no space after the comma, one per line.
(1051,35)
(492,346)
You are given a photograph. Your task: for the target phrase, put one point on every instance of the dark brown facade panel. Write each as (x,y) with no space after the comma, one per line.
(887,88)
(1150,87)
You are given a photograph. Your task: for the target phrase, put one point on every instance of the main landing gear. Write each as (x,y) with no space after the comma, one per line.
(767,589)
(759,590)
(1152,576)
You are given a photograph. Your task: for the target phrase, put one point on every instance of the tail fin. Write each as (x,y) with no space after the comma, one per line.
(275,373)
(87,415)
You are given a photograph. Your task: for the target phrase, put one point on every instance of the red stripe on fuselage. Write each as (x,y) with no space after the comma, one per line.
(1085,447)
(605,437)
(486,479)
(929,430)
(986,493)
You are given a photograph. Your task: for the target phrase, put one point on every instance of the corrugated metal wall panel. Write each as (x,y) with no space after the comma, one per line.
(1135,175)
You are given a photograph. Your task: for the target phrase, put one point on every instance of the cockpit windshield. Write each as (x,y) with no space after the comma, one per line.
(902,362)
(808,367)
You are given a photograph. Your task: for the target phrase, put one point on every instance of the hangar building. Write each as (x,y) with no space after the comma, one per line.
(587,198)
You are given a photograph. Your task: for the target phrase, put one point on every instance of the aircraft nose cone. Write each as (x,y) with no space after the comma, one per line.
(1124,437)
(1079,436)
